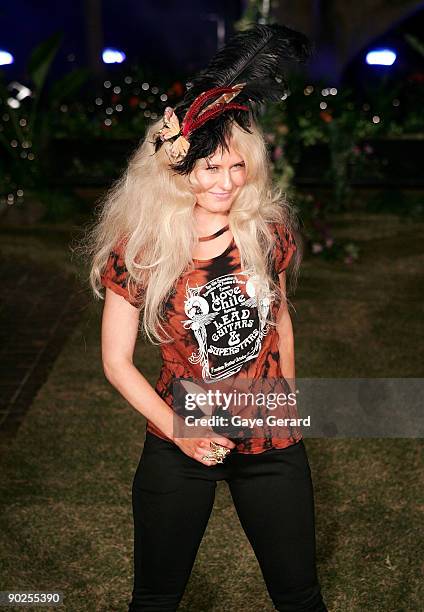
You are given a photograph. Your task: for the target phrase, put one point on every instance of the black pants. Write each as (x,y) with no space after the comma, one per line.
(173,496)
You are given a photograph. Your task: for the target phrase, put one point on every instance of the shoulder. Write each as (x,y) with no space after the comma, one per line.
(284,246)
(115,274)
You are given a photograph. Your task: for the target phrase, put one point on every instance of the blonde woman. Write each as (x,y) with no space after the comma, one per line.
(192,245)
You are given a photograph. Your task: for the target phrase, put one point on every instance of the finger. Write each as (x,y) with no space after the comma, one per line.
(223,441)
(200,453)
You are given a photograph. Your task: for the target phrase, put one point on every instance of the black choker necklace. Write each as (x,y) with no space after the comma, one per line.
(215,235)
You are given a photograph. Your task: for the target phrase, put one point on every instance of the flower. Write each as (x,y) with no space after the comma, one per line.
(282,128)
(133,101)
(326,116)
(177,88)
(277,153)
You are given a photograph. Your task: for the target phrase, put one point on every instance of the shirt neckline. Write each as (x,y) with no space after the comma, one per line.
(227,250)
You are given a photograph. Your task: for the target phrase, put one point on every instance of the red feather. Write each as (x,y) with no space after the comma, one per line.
(214,112)
(195,106)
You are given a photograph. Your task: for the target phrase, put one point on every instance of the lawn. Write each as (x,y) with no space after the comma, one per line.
(66,518)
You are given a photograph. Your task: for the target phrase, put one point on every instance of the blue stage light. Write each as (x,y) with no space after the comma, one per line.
(381,57)
(5,58)
(113,56)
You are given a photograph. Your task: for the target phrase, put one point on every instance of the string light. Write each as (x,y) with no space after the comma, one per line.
(155,90)
(145,86)
(117,90)
(119,107)
(164,97)
(107,84)
(323,105)
(376,119)
(98,101)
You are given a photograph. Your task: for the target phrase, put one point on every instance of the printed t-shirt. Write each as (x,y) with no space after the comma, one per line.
(217,327)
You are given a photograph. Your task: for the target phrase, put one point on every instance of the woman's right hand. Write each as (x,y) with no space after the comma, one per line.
(196,448)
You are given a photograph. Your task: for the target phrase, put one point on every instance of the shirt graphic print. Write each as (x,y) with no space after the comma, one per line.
(228,326)
(219,326)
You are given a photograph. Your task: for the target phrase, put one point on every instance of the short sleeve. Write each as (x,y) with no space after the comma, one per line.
(284,247)
(115,274)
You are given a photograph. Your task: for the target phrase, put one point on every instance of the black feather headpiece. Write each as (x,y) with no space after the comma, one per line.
(249,70)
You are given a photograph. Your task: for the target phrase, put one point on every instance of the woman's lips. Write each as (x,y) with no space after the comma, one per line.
(221,196)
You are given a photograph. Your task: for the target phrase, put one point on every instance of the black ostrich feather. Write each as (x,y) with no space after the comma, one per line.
(256,57)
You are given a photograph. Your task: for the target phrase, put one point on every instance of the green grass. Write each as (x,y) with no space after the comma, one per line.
(66,519)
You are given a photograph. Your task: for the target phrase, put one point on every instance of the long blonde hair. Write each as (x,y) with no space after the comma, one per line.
(150,209)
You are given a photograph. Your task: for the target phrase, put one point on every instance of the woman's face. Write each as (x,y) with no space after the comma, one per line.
(220,179)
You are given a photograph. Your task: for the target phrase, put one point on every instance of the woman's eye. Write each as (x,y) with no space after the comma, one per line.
(211,168)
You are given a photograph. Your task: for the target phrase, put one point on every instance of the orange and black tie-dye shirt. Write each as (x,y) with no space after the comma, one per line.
(217,327)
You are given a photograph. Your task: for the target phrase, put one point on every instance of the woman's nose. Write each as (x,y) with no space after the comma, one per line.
(226,182)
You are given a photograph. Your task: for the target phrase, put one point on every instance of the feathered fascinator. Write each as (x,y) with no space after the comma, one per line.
(240,78)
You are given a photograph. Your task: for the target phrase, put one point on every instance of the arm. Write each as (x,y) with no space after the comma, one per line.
(118,343)
(286,338)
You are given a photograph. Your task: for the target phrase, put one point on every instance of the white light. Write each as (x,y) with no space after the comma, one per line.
(13,103)
(333,91)
(376,119)
(381,57)
(23,92)
(145,86)
(113,56)
(117,90)
(5,58)
(323,105)
(164,97)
